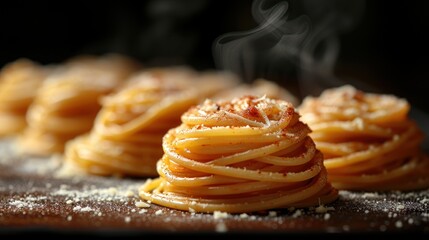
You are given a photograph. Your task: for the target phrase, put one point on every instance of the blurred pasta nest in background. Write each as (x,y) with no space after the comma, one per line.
(368,140)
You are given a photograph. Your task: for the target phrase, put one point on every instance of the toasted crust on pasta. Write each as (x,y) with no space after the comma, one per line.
(66,104)
(368,140)
(242,155)
(19,81)
(260,87)
(127,134)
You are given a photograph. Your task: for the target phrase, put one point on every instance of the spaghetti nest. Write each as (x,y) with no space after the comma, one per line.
(259,87)
(19,81)
(127,134)
(66,104)
(244,155)
(367,139)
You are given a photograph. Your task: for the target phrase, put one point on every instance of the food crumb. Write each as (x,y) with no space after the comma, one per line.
(69,201)
(127,219)
(159,212)
(142,204)
(112,190)
(221,227)
(369,195)
(81,209)
(272,213)
(142,211)
(129,193)
(69,218)
(398,224)
(327,216)
(219,215)
(323,209)
(297,213)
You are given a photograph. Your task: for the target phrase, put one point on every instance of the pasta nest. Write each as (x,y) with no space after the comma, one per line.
(19,81)
(243,155)
(126,139)
(368,140)
(68,101)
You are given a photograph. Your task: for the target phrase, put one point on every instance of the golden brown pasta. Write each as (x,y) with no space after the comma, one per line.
(68,101)
(127,135)
(243,155)
(260,87)
(368,140)
(19,81)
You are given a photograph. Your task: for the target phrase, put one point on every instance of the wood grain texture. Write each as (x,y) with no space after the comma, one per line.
(33,200)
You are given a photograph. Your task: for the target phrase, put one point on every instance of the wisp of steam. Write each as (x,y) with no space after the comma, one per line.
(285,49)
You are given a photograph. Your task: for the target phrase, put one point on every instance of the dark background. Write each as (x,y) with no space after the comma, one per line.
(385,47)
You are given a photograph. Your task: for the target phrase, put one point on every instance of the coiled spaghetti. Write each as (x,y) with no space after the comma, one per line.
(260,87)
(244,155)
(66,104)
(19,81)
(127,135)
(367,139)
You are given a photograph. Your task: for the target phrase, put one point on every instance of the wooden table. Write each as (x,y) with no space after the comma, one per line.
(33,200)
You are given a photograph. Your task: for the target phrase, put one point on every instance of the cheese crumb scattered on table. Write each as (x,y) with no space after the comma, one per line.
(142,204)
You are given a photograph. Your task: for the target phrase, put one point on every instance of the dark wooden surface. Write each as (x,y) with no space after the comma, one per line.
(33,200)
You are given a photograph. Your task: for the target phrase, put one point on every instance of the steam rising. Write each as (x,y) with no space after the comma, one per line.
(283,49)
(321,50)
(254,52)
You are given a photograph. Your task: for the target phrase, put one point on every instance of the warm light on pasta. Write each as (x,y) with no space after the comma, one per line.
(368,140)
(260,87)
(19,81)
(244,155)
(66,104)
(127,134)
